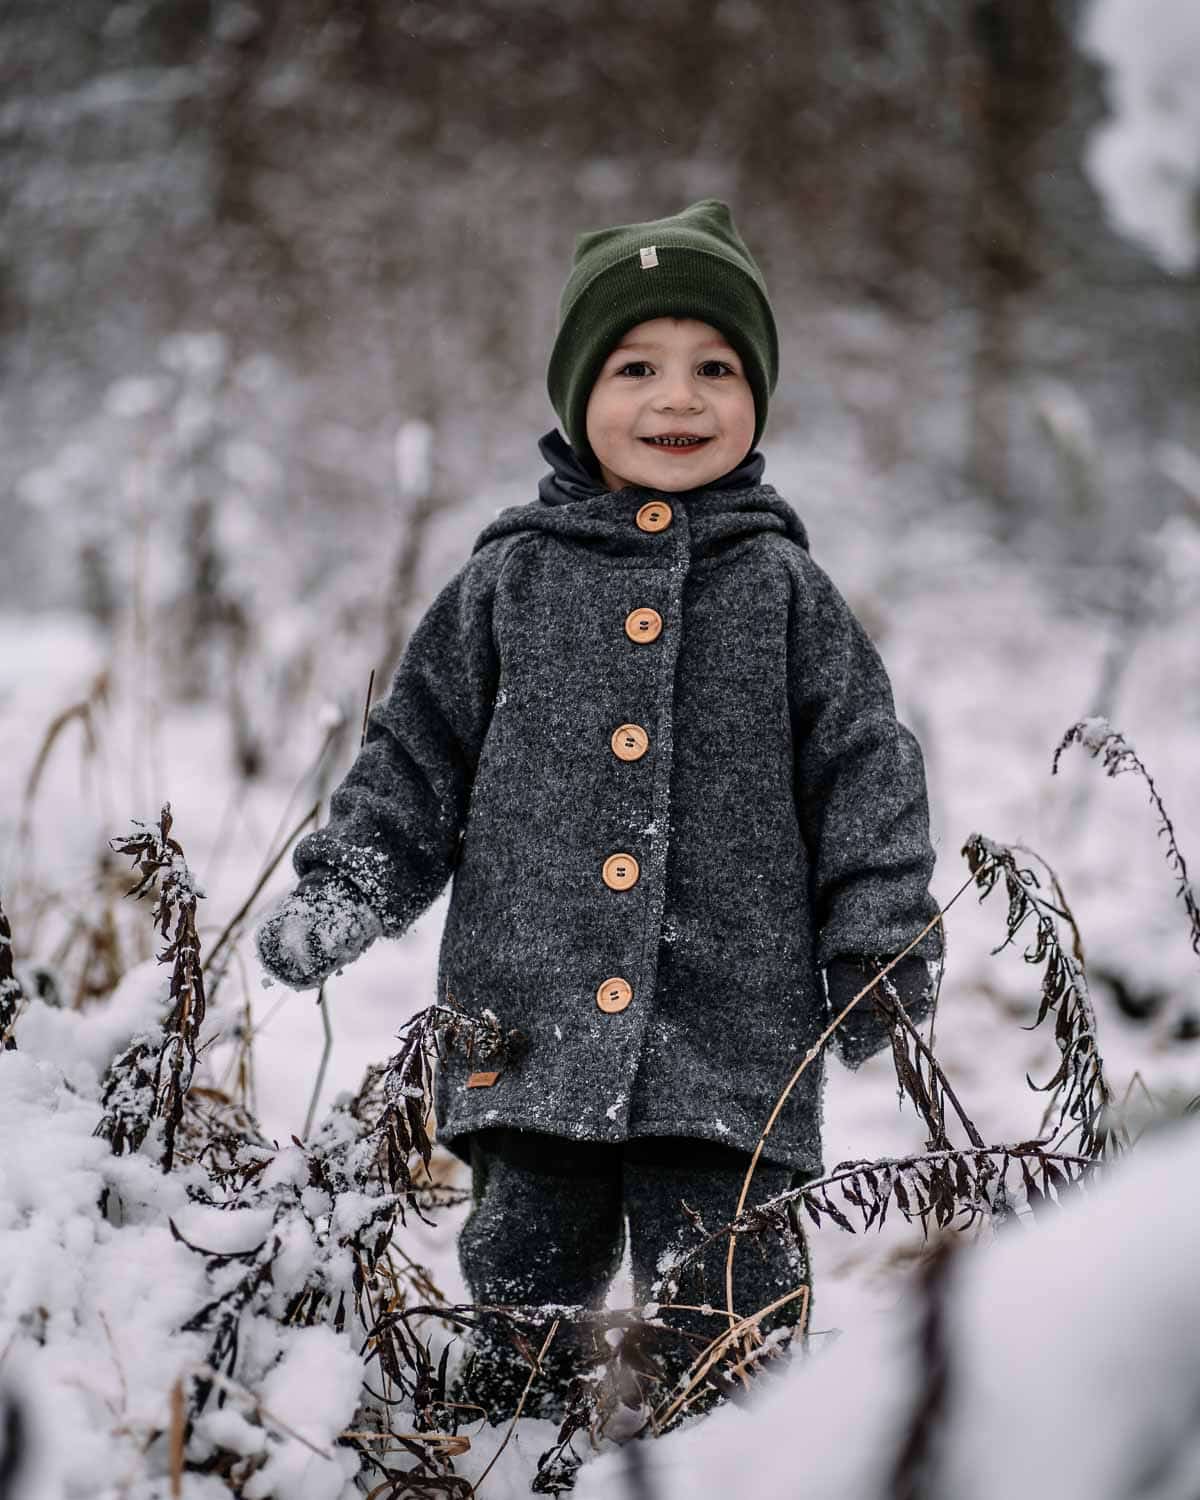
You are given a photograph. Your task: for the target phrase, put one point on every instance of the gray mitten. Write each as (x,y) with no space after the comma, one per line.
(864,1032)
(321,926)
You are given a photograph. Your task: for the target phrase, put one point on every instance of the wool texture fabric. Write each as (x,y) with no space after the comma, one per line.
(313,931)
(547,1228)
(693,264)
(778,816)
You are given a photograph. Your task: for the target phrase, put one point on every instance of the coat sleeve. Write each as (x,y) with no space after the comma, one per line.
(397,816)
(859,783)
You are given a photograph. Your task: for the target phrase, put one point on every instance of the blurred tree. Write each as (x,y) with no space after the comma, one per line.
(1014,90)
(382,196)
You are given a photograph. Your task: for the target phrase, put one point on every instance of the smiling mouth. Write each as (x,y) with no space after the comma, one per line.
(677,444)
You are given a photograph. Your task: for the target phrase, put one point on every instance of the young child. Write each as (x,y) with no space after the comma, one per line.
(659,755)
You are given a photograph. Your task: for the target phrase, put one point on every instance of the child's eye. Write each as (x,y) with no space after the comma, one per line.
(636,365)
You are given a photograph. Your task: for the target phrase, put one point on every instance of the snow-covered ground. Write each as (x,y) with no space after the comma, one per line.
(992,657)
(1069,1363)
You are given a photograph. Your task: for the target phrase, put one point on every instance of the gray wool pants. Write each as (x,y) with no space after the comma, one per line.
(548,1227)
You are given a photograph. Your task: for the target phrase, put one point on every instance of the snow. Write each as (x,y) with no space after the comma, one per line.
(991,666)
(1048,1341)
(1110,1288)
(312,1393)
(1145,160)
(414,458)
(221,1230)
(228,1428)
(83,1043)
(1094,731)
(329,717)
(103,1304)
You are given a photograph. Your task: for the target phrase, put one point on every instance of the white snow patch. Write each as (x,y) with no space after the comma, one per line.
(1145,160)
(314,1390)
(1042,1343)
(83,1042)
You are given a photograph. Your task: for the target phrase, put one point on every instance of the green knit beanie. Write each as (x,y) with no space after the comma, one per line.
(691,265)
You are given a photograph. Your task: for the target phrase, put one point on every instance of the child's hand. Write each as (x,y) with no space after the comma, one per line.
(864,1032)
(316,929)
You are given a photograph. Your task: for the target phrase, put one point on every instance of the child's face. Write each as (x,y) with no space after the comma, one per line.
(670,377)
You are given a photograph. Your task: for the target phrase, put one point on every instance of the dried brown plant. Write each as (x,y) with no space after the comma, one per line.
(1079,1080)
(11,994)
(1101,741)
(135,1092)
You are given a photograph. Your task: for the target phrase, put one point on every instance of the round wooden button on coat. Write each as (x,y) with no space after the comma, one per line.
(643,624)
(620,871)
(614,995)
(629,741)
(654,516)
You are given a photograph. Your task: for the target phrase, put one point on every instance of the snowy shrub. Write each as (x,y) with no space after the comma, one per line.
(209,1313)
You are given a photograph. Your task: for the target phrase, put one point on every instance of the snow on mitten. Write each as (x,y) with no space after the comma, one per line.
(864,1032)
(319,927)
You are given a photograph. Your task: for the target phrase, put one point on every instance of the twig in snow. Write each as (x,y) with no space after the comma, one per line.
(326,1049)
(717,1348)
(248,1397)
(1080,1075)
(1099,738)
(233,926)
(176,1438)
(11,994)
(927,1187)
(534,1372)
(809,1056)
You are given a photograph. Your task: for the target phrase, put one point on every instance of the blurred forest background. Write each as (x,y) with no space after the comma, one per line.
(264,236)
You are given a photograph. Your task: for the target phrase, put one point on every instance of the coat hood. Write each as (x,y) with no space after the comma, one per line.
(573,504)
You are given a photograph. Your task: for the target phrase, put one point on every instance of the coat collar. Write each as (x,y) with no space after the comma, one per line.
(570,478)
(574,504)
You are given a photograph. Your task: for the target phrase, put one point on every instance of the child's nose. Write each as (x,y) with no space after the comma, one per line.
(678,395)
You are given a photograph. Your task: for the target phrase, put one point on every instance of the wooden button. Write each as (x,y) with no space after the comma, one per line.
(629,741)
(614,995)
(654,516)
(643,624)
(620,871)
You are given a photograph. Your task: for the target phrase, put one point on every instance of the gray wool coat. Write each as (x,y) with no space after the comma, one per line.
(664,770)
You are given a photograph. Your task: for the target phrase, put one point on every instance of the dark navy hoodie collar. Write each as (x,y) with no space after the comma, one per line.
(571,479)
(574,506)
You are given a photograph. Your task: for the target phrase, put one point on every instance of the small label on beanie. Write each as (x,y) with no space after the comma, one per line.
(649,254)
(482,1080)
